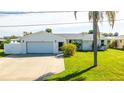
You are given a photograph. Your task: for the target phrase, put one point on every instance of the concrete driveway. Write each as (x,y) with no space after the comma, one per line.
(30,67)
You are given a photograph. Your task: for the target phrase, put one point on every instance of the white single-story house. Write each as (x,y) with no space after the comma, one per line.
(119,41)
(44,42)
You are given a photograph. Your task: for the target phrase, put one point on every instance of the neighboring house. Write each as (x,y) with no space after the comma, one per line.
(120,42)
(110,40)
(43,42)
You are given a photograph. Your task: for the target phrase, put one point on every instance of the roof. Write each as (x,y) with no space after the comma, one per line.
(69,36)
(116,37)
(79,36)
(120,37)
(43,33)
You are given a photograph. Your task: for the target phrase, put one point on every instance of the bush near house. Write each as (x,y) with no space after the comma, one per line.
(69,49)
(4,42)
(1,45)
(2,53)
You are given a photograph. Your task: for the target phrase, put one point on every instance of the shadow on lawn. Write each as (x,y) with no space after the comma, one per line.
(44,77)
(74,75)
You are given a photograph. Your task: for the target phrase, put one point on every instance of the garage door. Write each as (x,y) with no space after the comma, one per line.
(39,47)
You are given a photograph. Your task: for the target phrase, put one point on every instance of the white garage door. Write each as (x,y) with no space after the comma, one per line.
(39,47)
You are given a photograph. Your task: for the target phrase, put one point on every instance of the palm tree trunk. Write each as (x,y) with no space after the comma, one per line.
(95,37)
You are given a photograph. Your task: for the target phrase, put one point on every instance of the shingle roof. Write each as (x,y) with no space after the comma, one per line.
(120,37)
(78,36)
(71,36)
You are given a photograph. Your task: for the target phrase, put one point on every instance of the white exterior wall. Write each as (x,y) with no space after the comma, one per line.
(98,42)
(15,48)
(87,45)
(23,48)
(48,37)
(55,47)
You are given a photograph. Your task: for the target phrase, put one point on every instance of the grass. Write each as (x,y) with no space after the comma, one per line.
(80,67)
(2,53)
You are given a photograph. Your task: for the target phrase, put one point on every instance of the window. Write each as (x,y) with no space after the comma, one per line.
(23,41)
(18,41)
(70,41)
(102,42)
(60,44)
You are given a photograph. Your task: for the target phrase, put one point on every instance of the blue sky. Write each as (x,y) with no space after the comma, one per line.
(25,19)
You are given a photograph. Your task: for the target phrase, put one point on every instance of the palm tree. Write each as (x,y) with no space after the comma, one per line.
(95,17)
(49,30)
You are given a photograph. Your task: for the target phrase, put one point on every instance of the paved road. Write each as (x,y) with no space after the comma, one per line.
(30,67)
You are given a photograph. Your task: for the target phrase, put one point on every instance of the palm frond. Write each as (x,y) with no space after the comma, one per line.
(111,15)
(90,14)
(75,14)
(101,16)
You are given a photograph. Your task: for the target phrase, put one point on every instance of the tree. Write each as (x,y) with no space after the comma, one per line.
(49,30)
(116,34)
(10,37)
(13,37)
(26,33)
(105,34)
(84,32)
(90,32)
(97,16)
(7,41)
(110,34)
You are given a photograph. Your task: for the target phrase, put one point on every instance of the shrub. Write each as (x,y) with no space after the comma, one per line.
(1,45)
(69,49)
(4,42)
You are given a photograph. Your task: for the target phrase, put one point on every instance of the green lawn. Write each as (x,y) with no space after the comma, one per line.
(79,67)
(2,53)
